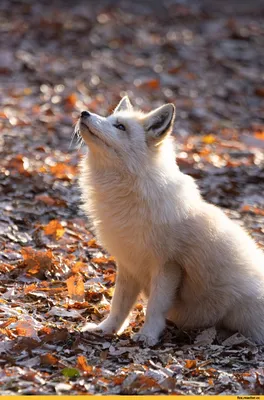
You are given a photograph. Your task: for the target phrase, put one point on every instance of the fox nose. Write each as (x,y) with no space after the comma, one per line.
(85,114)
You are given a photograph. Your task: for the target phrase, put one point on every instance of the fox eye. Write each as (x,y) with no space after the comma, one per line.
(121,127)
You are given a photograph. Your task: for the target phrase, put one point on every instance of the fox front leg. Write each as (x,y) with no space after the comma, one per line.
(125,295)
(163,291)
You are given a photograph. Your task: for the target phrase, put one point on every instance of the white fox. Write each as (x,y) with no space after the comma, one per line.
(196,267)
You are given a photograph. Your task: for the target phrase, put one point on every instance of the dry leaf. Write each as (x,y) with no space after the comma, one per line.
(253,209)
(55,229)
(24,328)
(63,171)
(45,199)
(83,366)
(48,359)
(190,364)
(36,261)
(209,139)
(75,288)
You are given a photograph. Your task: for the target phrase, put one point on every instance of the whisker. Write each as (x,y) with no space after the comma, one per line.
(76,133)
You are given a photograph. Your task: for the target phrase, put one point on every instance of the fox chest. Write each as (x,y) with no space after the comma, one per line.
(125,232)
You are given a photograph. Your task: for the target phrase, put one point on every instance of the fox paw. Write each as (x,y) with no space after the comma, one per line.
(146,340)
(102,328)
(90,327)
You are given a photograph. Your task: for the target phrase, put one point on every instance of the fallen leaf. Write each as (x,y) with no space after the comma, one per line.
(252,209)
(55,229)
(75,288)
(83,366)
(209,139)
(45,199)
(24,328)
(48,359)
(190,364)
(36,261)
(259,135)
(70,372)
(206,337)
(63,171)
(61,312)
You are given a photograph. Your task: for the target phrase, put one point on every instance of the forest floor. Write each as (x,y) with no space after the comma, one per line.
(58,58)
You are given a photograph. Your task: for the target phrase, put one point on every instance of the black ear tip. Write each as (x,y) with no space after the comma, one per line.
(173,109)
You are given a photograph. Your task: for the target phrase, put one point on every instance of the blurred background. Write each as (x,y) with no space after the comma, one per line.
(207,57)
(61,57)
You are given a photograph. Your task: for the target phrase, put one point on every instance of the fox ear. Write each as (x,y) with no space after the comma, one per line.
(124,105)
(158,123)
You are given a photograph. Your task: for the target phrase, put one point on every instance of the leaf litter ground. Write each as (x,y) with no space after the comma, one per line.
(60,58)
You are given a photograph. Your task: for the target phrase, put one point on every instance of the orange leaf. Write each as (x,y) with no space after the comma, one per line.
(75,288)
(24,328)
(8,322)
(144,382)
(92,243)
(253,209)
(103,260)
(71,100)
(78,267)
(55,229)
(110,278)
(30,288)
(190,364)
(259,135)
(36,261)
(83,366)
(63,171)
(118,380)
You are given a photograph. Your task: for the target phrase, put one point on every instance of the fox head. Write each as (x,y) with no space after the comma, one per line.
(127,138)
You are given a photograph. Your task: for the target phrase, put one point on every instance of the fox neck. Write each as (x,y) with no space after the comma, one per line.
(152,187)
(156,169)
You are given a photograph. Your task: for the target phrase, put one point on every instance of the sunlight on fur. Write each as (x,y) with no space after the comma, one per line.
(196,266)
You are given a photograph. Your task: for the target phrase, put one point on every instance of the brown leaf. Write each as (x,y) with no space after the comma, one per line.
(48,359)
(55,336)
(149,84)
(75,287)
(8,322)
(19,163)
(144,382)
(260,91)
(45,199)
(36,261)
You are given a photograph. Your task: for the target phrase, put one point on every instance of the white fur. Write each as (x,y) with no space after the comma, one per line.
(196,266)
